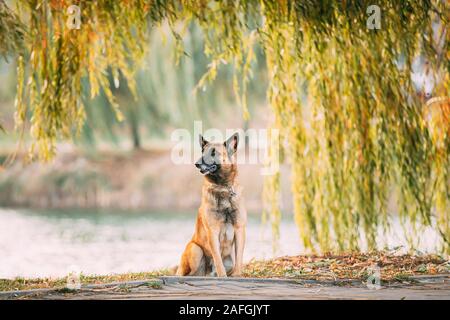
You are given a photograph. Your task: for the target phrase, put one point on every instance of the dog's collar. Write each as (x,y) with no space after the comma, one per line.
(229,189)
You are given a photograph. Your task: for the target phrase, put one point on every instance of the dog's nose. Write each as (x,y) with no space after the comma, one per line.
(198,164)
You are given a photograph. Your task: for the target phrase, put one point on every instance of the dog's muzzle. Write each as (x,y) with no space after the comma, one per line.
(206,168)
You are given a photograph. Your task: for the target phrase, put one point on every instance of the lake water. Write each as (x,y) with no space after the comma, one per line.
(49,244)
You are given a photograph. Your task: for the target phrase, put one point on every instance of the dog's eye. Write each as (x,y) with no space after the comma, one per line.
(213,152)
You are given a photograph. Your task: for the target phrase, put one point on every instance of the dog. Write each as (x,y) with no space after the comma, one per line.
(217,246)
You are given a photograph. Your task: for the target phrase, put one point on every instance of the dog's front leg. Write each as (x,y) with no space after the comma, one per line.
(214,244)
(239,233)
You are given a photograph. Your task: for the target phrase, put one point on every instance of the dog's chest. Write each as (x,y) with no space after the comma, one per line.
(226,233)
(226,210)
(226,238)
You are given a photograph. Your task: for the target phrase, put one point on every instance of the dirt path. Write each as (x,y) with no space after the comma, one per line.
(427,287)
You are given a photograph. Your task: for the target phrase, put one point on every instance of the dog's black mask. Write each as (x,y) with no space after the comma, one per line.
(207,165)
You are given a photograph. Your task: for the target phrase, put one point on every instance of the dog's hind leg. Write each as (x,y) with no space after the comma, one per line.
(192,261)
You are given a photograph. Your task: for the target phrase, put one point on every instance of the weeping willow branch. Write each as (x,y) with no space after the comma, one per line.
(12,32)
(351,123)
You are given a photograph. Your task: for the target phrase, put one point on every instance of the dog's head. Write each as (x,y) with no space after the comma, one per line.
(218,159)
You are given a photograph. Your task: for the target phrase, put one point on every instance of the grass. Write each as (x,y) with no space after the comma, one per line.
(353,266)
(60,283)
(154,284)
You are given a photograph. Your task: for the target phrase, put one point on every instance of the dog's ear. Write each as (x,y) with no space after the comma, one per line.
(231,144)
(202,141)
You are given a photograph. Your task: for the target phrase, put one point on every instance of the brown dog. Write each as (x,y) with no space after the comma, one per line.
(217,245)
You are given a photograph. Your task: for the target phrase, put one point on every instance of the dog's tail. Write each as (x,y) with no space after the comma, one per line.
(173,270)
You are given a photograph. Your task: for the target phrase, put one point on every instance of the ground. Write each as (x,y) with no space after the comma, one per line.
(393,267)
(186,288)
(327,276)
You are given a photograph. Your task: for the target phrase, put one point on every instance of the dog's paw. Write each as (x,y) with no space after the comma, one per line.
(221,274)
(236,274)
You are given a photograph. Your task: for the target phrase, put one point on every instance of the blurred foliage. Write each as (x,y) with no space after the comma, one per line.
(361,133)
(12,31)
(165,92)
(12,34)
